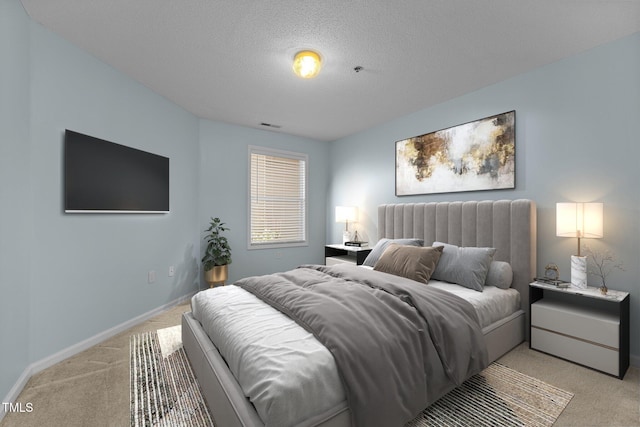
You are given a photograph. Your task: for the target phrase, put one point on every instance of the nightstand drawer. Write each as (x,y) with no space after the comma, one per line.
(344,259)
(597,357)
(576,322)
(338,254)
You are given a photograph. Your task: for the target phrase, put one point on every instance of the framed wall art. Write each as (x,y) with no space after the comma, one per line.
(474,156)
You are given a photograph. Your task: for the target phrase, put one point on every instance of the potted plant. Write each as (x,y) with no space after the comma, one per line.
(217,255)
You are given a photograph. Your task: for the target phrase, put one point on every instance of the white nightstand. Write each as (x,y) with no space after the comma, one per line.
(336,254)
(581,325)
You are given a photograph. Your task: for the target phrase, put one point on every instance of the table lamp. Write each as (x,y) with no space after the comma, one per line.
(580,220)
(346,214)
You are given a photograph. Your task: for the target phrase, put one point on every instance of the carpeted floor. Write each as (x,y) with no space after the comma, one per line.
(165,392)
(92,387)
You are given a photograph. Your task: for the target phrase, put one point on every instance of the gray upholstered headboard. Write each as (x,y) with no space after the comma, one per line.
(507,225)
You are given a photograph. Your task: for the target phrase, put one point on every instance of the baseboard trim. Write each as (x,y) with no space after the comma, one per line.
(49,361)
(16,389)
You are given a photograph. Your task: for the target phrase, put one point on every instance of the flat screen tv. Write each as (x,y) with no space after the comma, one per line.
(104,177)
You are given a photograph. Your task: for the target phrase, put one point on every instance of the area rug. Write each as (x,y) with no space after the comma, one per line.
(498,396)
(164,392)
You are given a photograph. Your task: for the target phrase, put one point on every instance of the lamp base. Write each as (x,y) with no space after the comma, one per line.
(579,271)
(346,236)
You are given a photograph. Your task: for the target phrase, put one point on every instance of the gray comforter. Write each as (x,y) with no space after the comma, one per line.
(392,338)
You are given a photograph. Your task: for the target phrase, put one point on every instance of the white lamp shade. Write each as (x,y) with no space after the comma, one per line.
(593,220)
(346,214)
(579,220)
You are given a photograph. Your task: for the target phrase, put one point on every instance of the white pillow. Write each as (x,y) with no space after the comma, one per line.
(465,266)
(500,275)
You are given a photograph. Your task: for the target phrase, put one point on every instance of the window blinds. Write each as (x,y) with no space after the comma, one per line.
(277,197)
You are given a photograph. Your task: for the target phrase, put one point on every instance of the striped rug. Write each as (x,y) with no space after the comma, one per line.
(164,392)
(498,396)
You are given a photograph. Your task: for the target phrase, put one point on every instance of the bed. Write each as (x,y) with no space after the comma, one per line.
(508,226)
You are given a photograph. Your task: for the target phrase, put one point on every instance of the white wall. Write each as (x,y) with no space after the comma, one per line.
(576,140)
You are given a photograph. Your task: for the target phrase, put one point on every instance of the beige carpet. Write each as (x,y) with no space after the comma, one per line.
(165,392)
(92,387)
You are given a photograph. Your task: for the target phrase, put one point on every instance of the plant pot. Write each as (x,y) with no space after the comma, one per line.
(217,275)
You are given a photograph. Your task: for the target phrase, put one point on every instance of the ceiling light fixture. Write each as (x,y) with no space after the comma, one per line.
(306,64)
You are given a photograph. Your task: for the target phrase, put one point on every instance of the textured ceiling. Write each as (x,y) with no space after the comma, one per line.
(230,60)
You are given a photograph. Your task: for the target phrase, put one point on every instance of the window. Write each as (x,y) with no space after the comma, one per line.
(277,198)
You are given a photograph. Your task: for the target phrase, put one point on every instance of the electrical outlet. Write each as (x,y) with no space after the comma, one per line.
(152,276)
(172,271)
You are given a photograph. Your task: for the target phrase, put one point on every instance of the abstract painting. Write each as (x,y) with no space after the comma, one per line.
(478,155)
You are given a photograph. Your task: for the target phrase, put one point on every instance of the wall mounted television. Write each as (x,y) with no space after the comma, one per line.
(105,177)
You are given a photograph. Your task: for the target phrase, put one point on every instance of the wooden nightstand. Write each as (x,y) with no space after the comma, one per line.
(581,325)
(335,254)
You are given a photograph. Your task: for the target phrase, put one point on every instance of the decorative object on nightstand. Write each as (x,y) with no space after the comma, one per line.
(552,276)
(551,272)
(346,214)
(602,264)
(217,255)
(580,220)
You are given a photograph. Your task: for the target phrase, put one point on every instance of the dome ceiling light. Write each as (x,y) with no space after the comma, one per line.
(306,64)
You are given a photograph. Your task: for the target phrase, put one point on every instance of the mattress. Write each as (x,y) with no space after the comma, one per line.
(492,304)
(287,374)
(290,378)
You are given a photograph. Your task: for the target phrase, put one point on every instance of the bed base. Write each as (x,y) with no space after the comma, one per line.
(504,335)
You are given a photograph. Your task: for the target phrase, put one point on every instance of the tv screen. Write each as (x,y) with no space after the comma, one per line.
(101,176)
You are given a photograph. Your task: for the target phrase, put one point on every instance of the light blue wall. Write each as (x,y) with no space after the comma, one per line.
(67,277)
(223,193)
(15,198)
(577,126)
(89,271)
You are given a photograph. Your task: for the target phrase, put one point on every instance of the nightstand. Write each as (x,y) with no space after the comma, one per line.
(336,254)
(581,325)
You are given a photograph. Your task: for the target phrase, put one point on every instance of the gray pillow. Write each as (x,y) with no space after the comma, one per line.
(413,262)
(465,266)
(382,244)
(500,275)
